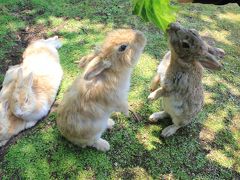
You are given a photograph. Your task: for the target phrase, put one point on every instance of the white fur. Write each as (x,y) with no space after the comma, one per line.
(102,145)
(158,116)
(11,74)
(30,124)
(110,123)
(42,66)
(123,89)
(37,115)
(162,66)
(4,123)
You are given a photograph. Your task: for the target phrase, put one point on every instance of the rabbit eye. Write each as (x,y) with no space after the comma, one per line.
(122,48)
(185,45)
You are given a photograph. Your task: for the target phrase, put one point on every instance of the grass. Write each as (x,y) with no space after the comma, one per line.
(209,148)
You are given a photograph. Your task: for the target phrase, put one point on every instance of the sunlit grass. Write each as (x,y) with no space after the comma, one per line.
(233,17)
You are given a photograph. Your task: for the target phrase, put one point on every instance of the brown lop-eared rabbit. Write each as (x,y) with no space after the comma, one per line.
(84,112)
(180,77)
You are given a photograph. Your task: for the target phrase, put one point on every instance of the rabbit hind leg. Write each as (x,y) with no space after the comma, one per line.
(101,145)
(170,130)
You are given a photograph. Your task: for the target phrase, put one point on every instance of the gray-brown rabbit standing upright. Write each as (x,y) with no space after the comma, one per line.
(103,88)
(180,74)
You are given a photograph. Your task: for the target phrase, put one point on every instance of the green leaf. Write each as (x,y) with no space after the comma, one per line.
(159,12)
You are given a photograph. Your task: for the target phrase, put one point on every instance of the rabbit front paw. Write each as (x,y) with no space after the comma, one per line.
(220,53)
(110,123)
(152,96)
(158,116)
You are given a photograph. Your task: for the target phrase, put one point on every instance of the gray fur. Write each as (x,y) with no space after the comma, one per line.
(180,74)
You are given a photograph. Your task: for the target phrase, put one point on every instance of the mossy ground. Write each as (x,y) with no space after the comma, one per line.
(209,148)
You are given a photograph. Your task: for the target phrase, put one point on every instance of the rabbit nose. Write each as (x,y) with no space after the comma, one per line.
(19,113)
(174,27)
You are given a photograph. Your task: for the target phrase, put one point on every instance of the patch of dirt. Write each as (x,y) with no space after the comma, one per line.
(21,38)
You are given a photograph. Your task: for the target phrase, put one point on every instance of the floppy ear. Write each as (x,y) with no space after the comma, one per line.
(29,80)
(96,67)
(209,61)
(216,51)
(85,60)
(3,110)
(20,77)
(4,106)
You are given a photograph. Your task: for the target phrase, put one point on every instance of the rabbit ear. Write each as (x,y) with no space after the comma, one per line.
(209,61)
(29,80)
(216,51)
(5,106)
(20,74)
(96,67)
(4,110)
(54,41)
(20,77)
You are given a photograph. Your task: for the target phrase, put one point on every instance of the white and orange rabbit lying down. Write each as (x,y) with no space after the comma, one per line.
(29,89)
(180,77)
(103,88)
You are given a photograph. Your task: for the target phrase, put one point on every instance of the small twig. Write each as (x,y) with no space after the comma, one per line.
(84,30)
(136,116)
